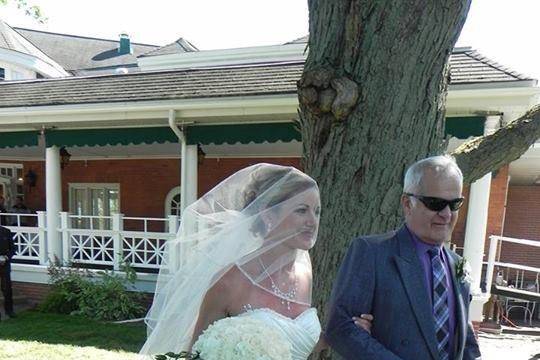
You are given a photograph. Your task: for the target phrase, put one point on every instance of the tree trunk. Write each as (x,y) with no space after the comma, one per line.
(371,103)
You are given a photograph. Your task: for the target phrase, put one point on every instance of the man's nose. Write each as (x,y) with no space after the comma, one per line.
(445,213)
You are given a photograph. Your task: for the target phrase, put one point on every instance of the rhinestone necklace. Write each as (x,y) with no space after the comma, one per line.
(285,297)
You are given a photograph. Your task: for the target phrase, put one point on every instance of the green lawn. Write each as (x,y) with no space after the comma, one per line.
(34,335)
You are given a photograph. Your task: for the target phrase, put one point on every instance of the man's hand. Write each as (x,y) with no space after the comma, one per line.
(364,321)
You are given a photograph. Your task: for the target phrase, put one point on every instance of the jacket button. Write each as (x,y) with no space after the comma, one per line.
(404,342)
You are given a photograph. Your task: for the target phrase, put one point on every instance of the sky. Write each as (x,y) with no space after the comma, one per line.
(503,30)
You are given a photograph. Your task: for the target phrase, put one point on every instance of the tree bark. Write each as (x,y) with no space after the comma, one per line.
(479,156)
(371,103)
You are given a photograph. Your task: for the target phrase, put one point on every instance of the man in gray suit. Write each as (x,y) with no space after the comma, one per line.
(413,285)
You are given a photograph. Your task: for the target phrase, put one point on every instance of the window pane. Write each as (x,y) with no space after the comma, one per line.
(2,74)
(78,202)
(98,208)
(175,205)
(114,203)
(98,202)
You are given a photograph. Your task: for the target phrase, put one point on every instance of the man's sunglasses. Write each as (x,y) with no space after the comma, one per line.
(438,204)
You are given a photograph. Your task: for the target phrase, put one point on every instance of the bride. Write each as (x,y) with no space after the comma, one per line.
(241,251)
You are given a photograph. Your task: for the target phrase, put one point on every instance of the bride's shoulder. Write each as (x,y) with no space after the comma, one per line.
(232,280)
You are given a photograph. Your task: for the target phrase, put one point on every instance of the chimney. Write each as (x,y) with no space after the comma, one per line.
(125,45)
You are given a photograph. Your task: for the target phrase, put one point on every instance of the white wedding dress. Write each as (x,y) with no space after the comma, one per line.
(301,332)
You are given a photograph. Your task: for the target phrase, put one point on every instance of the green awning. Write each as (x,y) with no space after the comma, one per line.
(101,137)
(242,133)
(460,127)
(18,138)
(465,127)
(204,134)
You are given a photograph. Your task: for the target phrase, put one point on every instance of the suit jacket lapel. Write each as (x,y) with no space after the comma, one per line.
(461,327)
(412,276)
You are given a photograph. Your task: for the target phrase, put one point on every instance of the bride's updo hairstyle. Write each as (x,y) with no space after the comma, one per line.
(271,186)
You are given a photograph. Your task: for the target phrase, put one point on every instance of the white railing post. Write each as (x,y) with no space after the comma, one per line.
(493,244)
(42,237)
(53,201)
(174,256)
(66,243)
(117,227)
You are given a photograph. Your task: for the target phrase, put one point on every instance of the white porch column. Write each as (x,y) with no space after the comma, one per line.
(188,175)
(475,237)
(53,189)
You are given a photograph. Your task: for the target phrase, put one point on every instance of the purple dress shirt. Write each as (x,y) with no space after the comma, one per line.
(422,249)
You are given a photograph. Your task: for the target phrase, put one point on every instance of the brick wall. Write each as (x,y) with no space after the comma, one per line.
(522,221)
(144,184)
(496,211)
(212,171)
(33,292)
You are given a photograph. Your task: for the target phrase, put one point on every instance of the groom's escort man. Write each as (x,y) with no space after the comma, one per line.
(407,279)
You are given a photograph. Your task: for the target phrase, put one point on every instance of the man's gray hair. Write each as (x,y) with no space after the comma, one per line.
(439,166)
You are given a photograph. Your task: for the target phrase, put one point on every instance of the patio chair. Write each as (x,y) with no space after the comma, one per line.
(527,306)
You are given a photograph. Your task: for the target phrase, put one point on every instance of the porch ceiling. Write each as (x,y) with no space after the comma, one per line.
(526,169)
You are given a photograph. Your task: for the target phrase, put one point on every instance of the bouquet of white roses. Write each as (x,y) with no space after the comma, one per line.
(242,338)
(237,338)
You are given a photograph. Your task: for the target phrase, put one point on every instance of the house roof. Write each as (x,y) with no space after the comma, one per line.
(80,52)
(300,40)
(179,46)
(12,40)
(145,86)
(467,67)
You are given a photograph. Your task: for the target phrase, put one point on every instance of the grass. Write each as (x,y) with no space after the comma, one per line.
(35,335)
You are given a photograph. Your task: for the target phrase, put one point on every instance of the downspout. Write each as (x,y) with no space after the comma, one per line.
(183,174)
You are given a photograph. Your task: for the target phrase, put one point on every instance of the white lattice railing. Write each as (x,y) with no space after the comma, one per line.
(494,247)
(29,235)
(110,244)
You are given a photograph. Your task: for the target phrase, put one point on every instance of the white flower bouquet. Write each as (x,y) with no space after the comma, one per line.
(237,338)
(242,338)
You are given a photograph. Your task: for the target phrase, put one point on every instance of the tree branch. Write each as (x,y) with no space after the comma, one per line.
(484,154)
(33,11)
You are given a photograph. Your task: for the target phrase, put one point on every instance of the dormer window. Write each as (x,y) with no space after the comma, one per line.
(2,74)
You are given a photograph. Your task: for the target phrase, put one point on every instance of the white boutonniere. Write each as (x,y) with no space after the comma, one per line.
(463,271)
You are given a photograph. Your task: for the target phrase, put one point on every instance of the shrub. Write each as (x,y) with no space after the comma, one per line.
(101,296)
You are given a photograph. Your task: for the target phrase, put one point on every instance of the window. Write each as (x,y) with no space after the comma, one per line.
(2,74)
(13,184)
(101,200)
(172,202)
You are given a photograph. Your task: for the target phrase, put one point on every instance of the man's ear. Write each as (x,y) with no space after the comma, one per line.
(406,204)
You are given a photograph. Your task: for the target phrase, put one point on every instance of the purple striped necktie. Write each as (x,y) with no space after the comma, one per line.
(441,311)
